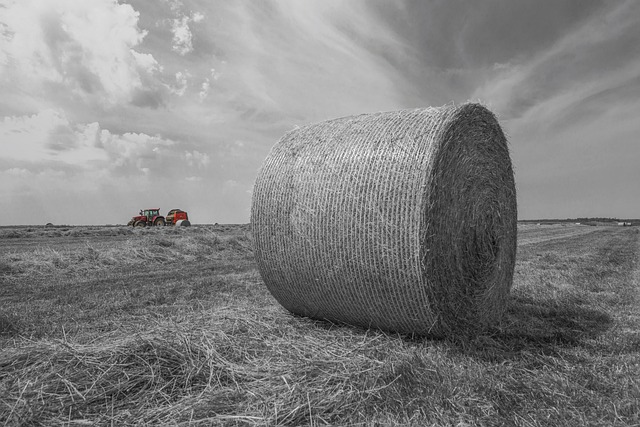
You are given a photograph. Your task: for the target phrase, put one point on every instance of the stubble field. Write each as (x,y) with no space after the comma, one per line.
(173,326)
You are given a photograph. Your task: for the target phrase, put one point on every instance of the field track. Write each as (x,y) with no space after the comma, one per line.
(533,234)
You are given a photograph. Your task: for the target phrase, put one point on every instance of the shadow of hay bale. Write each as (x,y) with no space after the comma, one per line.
(557,321)
(539,327)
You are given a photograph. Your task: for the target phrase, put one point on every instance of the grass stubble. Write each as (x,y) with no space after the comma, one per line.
(174,327)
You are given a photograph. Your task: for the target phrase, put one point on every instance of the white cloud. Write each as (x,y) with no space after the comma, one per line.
(182,36)
(182,82)
(82,46)
(204,92)
(132,153)
(182,42)
(48,135)
(196,159)
(205,88)
(175,5)
(197,17)
(49,138)
(19,172)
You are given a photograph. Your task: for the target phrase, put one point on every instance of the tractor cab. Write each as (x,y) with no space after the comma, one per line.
(151,214)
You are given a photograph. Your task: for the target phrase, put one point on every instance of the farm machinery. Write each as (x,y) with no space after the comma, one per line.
(152,217)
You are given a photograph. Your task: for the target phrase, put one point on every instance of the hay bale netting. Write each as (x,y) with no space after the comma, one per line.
(403,221)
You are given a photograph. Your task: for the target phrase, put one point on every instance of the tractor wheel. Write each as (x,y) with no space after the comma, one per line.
(140,224)
(159,222)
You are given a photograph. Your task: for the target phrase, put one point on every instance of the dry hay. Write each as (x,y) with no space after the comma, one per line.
(403,221)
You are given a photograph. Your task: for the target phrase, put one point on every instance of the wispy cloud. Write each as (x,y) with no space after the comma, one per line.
(599,55)
(279,55)
(571,109)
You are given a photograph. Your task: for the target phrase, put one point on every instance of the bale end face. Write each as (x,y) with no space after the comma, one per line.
(403,221)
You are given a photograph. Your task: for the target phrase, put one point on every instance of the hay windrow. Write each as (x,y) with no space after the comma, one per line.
(403,221)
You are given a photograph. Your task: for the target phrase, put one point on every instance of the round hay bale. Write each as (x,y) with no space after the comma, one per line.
(403,221)
(183,223)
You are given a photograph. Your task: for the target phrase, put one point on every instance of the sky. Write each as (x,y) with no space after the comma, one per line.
(108,107)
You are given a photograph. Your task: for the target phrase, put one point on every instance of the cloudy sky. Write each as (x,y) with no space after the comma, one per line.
(110,106)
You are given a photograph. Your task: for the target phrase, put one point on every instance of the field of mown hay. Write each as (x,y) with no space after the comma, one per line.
(115,326)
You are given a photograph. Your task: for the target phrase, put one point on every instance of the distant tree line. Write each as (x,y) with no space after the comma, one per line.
(582,220)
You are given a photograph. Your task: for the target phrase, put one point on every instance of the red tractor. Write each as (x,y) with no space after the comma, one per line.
(152,217)
(147,217)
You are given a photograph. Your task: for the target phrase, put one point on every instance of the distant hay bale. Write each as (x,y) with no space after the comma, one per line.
(403,221)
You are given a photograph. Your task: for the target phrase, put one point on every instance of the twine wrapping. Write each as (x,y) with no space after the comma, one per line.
(403,221)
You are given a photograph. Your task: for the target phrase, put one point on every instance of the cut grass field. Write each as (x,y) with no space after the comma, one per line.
(115,326)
